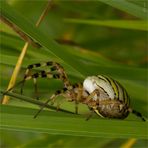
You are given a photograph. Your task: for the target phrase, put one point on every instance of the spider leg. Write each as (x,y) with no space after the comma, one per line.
(76,106)
(52,98)
(13,87)
(22,86)
(53,67)
(92,104)
(90,97)
(138,114)
(74,92)
(41,74)
(90,114)
(43,106)
(36,88)
(78,89)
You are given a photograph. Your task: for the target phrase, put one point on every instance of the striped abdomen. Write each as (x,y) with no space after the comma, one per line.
(113,98)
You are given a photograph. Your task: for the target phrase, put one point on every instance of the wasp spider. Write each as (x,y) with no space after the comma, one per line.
(103,95)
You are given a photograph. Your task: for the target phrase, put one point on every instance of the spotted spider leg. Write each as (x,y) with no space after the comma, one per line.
(75,93)
(91,103)
(52,98)
(79,88)
(138,114)
(41,74)
(44,74)
(71,93)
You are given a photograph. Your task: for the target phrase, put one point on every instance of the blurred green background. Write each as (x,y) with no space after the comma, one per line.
(94,37)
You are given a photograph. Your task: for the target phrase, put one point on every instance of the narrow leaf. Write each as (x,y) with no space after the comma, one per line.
(123,24)
(65,124)
(128,7)
(33,101)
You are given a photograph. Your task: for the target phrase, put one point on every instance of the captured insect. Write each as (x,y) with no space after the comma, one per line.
(103,95)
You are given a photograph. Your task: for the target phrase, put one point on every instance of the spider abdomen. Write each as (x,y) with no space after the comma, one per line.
(112,109)
(112,100)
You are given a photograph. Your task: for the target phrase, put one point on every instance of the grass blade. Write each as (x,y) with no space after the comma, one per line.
(123,24)
(64,124)
(128,7)
(34,101)
(48,44)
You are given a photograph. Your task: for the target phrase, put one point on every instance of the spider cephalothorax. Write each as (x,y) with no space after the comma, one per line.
(103,95)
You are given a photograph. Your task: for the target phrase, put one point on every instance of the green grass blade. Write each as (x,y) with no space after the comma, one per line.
(33,101)
(123,24)
(128,7)
(123,43)
(64,124)
(48,44)
(120,72)
(56,49)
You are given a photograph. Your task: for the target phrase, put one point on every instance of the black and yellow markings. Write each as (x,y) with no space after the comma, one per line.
(49,63)
(36,75)
(102,78)
(117,88)
(43,74)
(125,95)
(55,67)
(58,92)
(69,88)
(138,114)
(120,92)
(34,65)
(113,85)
